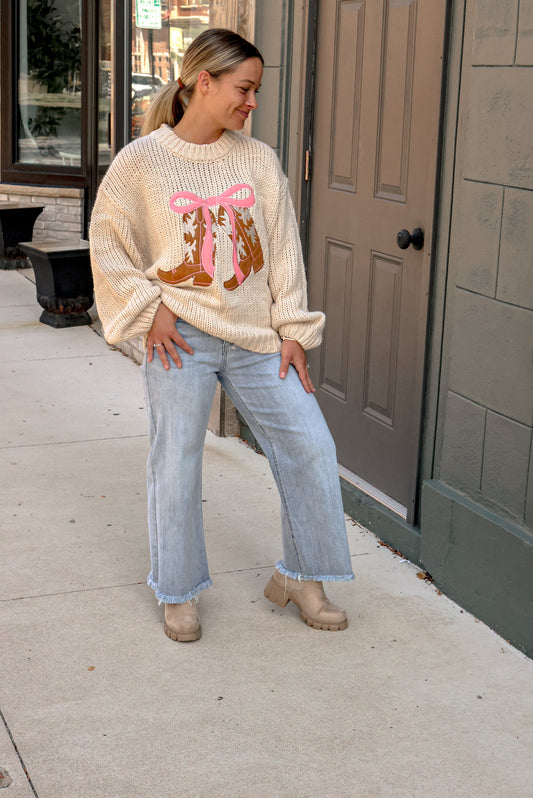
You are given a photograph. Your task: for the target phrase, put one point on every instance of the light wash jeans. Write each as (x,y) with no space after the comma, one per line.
(289,426)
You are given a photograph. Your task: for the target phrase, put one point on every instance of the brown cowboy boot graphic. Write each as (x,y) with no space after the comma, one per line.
(246,243)
(194,228)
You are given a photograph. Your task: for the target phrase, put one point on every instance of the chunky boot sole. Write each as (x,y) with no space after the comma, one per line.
(326,627)
(277,595)
(183,637)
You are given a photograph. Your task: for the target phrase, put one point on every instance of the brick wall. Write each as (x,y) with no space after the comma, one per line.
(62,216)
(486,439)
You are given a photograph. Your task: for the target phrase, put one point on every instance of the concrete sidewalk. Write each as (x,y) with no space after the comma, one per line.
(416,698)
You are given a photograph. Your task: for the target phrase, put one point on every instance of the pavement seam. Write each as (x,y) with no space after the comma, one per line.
(126,584)
(24,768)
(69,592)
(68,443)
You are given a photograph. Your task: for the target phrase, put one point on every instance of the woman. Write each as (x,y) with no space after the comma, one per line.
(195,246)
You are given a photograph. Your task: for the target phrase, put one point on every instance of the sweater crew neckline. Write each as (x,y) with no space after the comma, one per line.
(194,152)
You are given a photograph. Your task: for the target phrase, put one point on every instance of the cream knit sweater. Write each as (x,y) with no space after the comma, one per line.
(210,231)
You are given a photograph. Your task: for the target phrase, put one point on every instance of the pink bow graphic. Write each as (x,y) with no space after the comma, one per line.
(228,202)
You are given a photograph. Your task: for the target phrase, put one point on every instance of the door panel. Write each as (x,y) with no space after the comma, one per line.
(395,99)
(381,357)
(337,293)
(346,105)
(374,162)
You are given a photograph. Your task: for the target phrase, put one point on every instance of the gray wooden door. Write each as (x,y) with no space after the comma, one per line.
(374,156)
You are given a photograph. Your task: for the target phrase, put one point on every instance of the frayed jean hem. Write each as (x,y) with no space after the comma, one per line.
(305,578)
(192,594)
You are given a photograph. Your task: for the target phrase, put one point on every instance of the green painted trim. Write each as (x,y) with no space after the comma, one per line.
(480,560)
(381,521)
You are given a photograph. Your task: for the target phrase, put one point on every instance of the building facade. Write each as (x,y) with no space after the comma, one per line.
(404,127)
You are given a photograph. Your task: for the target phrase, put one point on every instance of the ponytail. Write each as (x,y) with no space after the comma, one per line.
(166,108)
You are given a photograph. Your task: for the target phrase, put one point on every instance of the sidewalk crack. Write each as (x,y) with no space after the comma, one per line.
(70,592)
(24,768)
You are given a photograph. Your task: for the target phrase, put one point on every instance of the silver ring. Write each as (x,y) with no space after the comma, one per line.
(156,345)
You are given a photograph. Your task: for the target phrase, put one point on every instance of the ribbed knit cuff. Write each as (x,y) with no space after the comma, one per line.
(308,334)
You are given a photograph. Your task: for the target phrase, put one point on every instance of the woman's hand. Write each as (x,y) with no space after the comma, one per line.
(292,353)
(163,336)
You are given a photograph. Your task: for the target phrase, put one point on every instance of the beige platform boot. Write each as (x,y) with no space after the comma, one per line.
(182,622)
(315,607)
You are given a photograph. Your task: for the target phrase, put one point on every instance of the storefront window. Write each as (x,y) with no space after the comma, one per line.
(85,72)
(49,82)
(161,32)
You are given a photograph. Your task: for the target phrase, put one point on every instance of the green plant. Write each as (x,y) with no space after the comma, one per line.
(54,57)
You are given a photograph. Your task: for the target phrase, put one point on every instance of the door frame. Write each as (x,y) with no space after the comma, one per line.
(307,123)
(357,502)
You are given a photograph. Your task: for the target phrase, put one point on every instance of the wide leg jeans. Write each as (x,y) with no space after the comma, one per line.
(291,430)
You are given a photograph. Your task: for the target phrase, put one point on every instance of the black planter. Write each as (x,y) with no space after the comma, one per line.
(16,225)
(63,280)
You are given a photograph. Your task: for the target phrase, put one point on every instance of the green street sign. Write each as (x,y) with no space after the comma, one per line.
(148,14)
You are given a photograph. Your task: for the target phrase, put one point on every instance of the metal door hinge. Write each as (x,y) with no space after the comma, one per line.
(308,164)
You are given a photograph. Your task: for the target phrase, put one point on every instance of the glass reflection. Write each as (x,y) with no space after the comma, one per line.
(49,82)
(104,87)
(158,43)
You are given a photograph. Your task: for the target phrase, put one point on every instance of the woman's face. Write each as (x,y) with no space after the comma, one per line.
(232,96)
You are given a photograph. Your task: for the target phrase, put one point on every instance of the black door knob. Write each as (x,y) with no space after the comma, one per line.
(415,239)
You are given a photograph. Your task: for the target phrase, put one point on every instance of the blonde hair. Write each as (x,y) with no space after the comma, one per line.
(216,51)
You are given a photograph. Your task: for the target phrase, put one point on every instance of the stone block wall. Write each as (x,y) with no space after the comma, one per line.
(62,217)
(487,408)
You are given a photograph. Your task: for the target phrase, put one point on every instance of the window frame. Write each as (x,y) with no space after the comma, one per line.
(12,171)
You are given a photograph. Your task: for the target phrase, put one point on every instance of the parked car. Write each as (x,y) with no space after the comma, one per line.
(143,85)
